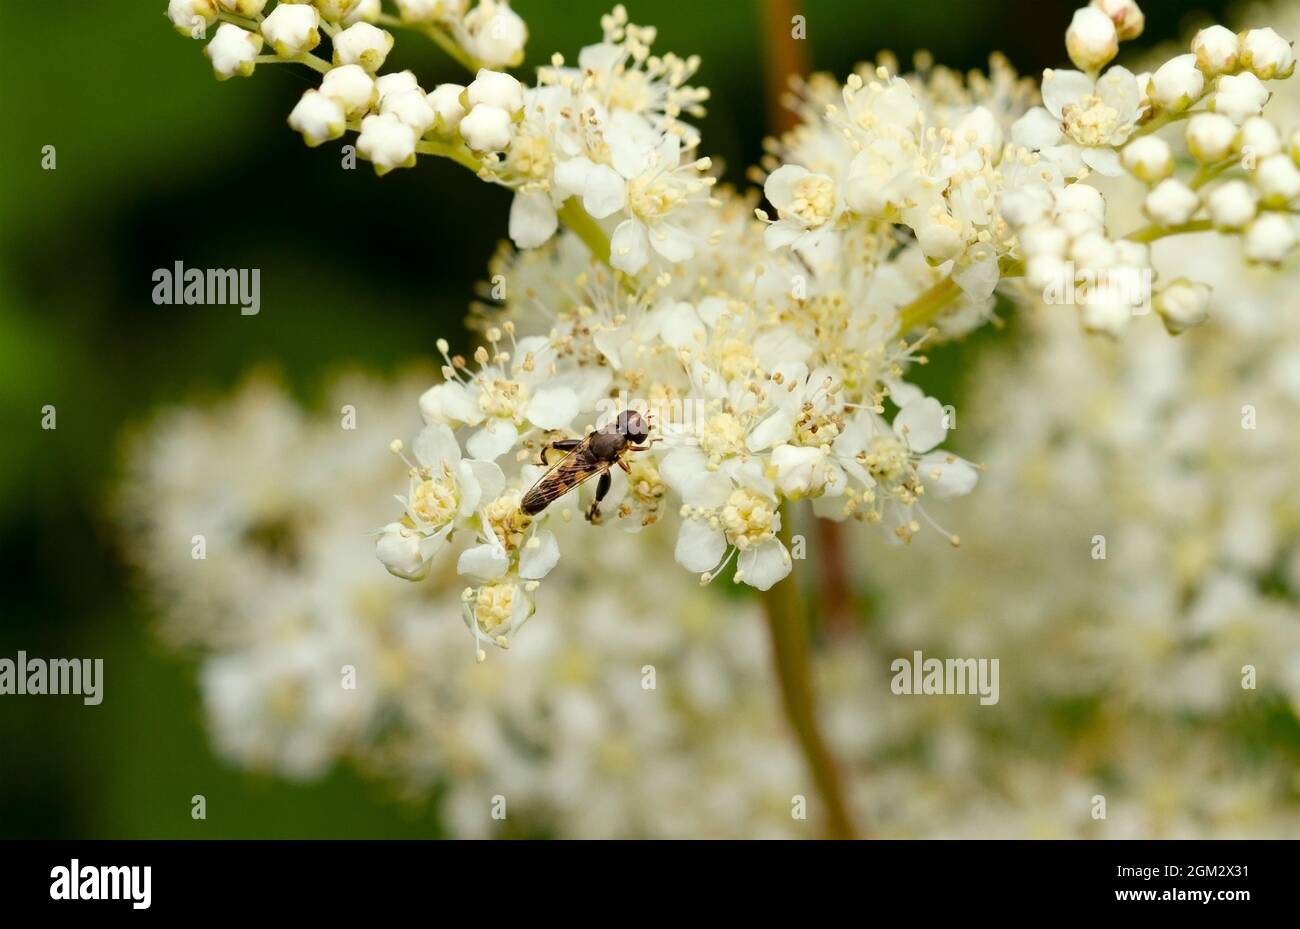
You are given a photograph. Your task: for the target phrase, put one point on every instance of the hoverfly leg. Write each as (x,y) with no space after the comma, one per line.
(602,488)
(622,463)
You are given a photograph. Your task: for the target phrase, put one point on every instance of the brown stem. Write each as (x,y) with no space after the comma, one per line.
(788,627)
(837,597)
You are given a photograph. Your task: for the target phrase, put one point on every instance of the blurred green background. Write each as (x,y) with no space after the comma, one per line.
(157,162)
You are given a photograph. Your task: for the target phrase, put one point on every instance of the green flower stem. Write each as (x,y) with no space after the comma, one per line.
(788,627)
(1148,234)
(584,227)
(439,37)
(456,152)
(926,308)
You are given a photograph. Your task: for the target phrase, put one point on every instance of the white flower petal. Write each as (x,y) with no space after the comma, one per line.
(921,424)
(699,546)
(552,407)
(765,564)
(486,562)
(536,561)
(533,219)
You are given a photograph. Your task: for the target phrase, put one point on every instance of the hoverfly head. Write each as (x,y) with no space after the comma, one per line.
(633,425)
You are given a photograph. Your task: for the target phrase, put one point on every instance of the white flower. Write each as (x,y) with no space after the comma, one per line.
(659,189)
(1148,158)
(318,117)
(1211,137)
(445,100)
(362,44)
(387,142)
(497,34)
(1125,14)
(1216,50)
(364,11)
(1239,96)
(1183,304)
(602,189)
(418,11)
(1269,238)
(799,470)
(487,128)
(1177,83)
(497,89)
(1091,39)
(1266,54)
(192,17)
(1278,181)
(351,87)
(233,51)
(1260,137)
(1232,205)
(292,29)
(336,10)
(1170,203)
(805,203)
(1078,113)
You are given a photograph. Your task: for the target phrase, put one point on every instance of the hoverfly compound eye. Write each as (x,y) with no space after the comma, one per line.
(633,425)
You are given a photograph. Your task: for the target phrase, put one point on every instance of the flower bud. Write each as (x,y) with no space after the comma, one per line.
(1177,83)
(366,11)
(1269,238)
(1259,138)
(445,100)
(1216,50)
(1266,54)
(233,51)
(497,34)
(351,88)
(1210,137)
(1106,318)
(1231,205)
(497,89)
(387,142)
(192,17)
(1239,96)
(398,549)
(1091,39)
(1148,158)
(318,118)
(1183,304)
(243,7)
(800,470)
(487,128)
(362,44)
(1125,14)
(1278,181)
(335,10)
(1170,203)
(418,11)
(292,29)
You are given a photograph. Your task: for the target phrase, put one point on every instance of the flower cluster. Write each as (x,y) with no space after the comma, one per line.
(770,348)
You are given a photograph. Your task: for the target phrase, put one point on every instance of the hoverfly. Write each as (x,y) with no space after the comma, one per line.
(594,454)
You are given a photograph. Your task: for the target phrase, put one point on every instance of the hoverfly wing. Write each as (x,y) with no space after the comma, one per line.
(570,471)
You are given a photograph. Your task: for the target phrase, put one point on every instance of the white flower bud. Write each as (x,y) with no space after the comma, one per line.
(1239,96)
(398,549)
(799,470)
(1266,54)
(495,88)
(1177,83)
(487,128)
(1278,181)
(411,107)
(1093,250)
(1125,14)
(1216,50)
(318,118)
(1091,40)
(1183,304)
(1170,203)
(1148,158)
(418,11)
(395,82)
(1259,138)
(1211,137)
(233,51)
(362,44)
(1106,318)
(366,11)
(1231,205)
(1084,199)
(497,34)
(939,237)
(1044,239)
(292,29)
(445,100)
(352,88)
(1269,238)
(192,17)
(243,7)
(1025,206)
(1043,271)
(335,10)
(387,142)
